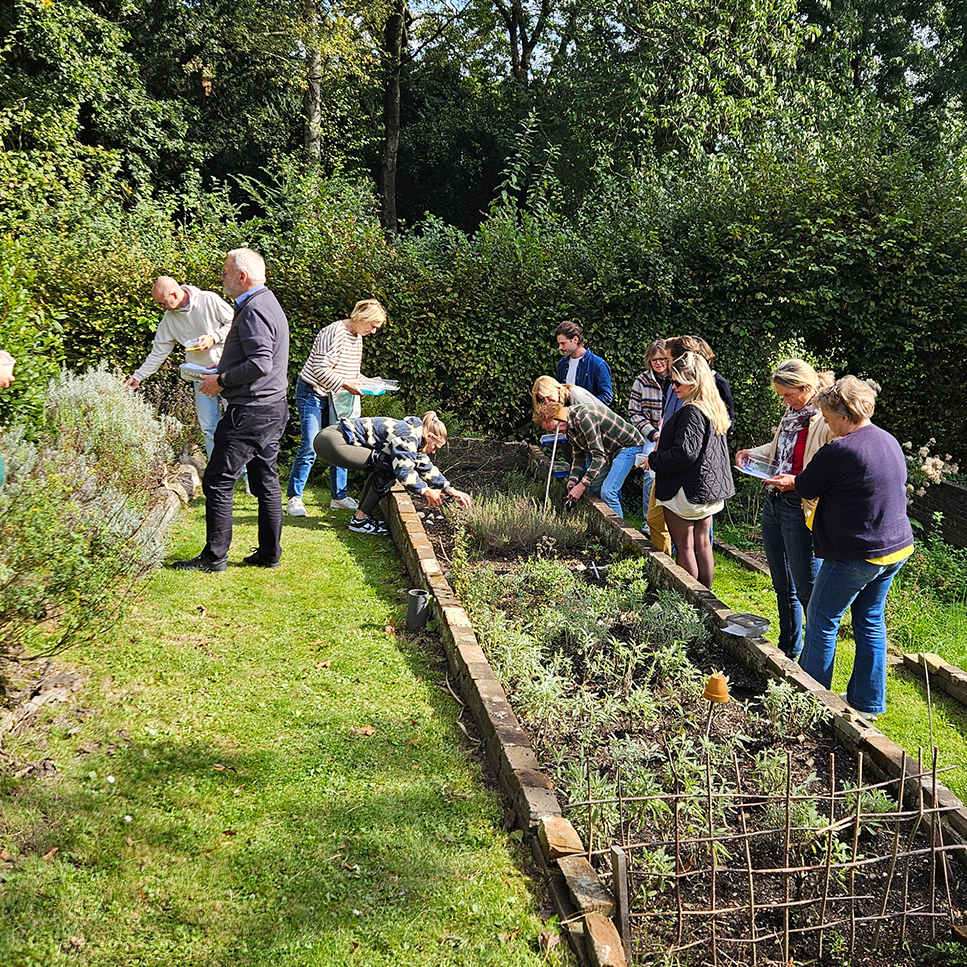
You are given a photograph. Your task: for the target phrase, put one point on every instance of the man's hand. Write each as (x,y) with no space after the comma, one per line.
(205,342)
(433,497)
(209,385)
(576,491)
(132,383)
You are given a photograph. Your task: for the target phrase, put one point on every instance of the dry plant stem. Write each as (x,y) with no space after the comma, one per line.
(856,846)
(587,766)
(926,678)
(944,859)
(748,861)
(829,849)
(711,833)
(896,847)
(619,879)
(913,832)
(785,876)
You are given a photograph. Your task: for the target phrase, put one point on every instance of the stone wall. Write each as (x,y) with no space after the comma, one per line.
(949,499)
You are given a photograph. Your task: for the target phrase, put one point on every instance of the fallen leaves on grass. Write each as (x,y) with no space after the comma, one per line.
(51,853)
(363,730)
(324,664)
(548,939)
(218,767)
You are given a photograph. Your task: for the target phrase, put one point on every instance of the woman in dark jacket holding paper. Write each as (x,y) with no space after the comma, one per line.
(693,473)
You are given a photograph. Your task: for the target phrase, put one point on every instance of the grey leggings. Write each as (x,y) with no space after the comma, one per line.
(331,445)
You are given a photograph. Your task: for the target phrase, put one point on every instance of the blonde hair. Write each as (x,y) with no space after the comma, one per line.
(368,311)
(691,368)
(434,427)
(850,397)
(798,374)
(548,388)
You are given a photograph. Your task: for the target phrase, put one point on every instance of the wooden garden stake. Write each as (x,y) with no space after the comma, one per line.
(853,855)
(748,861)
(785,875)
(619,877)
(829,848)
(550,473)
(896,846)
(926,678)
(714,853)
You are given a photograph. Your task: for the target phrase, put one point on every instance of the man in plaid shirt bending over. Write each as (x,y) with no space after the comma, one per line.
(596,434)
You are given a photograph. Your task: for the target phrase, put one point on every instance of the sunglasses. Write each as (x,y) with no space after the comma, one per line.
(676,384)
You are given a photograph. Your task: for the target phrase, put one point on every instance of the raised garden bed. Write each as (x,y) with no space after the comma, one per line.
(741,871)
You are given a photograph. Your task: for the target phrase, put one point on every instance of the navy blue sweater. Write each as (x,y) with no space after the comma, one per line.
(255,361)
(860,480)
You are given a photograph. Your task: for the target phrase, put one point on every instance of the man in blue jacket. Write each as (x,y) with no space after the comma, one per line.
(579,366)
(252,378)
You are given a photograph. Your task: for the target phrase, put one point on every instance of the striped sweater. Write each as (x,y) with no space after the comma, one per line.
(334,359)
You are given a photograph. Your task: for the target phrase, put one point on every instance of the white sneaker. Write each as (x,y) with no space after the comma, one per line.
(296,508)
(347,503)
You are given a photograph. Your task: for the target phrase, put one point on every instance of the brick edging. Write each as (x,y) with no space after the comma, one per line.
(538,812)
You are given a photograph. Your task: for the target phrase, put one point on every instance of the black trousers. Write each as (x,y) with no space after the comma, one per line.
(249,435)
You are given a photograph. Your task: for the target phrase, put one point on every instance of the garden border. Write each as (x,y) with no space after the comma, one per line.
(584,903)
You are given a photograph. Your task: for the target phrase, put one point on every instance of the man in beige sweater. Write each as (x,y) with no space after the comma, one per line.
(199,321)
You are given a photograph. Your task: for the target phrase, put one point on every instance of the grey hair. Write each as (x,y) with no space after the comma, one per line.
(850,397)
(249,262)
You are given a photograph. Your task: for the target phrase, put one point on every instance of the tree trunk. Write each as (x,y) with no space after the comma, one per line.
(312,107)
(393,34)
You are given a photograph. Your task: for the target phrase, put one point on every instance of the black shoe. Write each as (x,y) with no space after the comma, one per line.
(201,563)
(368,525)
(254,560)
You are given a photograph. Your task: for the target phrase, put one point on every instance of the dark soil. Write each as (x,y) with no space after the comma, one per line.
(669,910)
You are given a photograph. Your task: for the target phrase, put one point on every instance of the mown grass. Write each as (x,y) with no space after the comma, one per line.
(915,622)
(262,774)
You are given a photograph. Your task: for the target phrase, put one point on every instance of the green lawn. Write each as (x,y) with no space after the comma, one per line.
(264,774)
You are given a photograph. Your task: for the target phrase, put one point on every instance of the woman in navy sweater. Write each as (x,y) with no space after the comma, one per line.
(862,534)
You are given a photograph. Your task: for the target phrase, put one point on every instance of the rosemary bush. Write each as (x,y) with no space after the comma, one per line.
(75,515)
(513,524)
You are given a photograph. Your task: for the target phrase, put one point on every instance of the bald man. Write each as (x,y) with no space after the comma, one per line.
(198,321)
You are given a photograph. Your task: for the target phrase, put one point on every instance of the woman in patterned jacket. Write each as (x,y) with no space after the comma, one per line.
(393,451)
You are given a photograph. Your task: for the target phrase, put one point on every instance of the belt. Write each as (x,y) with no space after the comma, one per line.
(785,494)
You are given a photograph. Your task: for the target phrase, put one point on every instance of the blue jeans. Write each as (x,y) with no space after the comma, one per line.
(862,587)
(208,409)
(621,466)
(788,544)
(313,416)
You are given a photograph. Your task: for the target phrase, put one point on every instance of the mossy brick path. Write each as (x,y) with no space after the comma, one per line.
(260,772)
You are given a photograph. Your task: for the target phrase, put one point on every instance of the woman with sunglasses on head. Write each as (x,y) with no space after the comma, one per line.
(693,473)
(785,535)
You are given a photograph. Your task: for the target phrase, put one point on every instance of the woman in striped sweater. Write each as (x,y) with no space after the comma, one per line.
(326,390)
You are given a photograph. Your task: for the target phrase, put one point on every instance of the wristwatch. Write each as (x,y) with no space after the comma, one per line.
(218,379)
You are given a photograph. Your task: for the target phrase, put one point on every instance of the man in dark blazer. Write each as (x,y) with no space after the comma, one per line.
(252,378)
